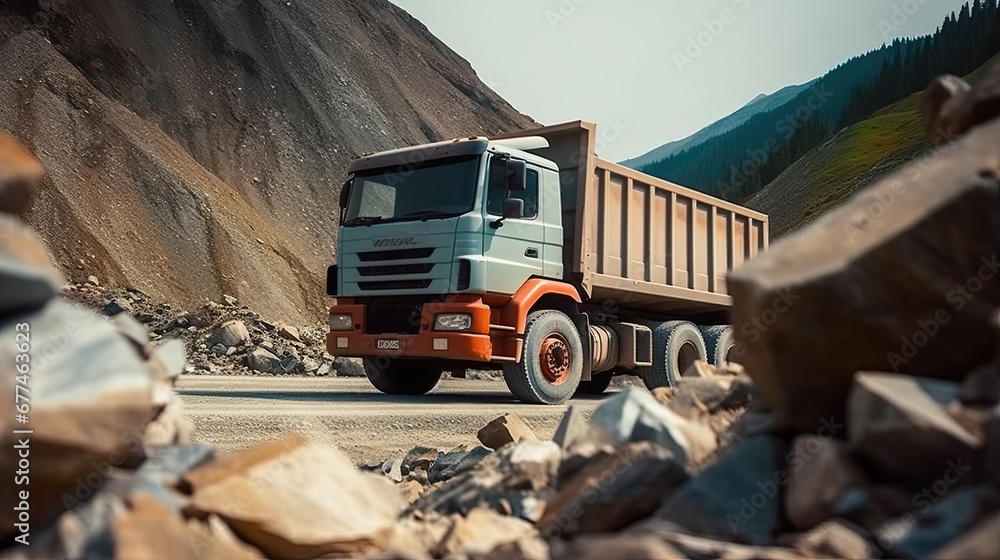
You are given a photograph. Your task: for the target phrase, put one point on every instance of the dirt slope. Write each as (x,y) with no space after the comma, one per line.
(196,147)
(828,175)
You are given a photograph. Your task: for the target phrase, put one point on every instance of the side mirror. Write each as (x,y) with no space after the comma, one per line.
(345,193)
(515,175)
(513,208)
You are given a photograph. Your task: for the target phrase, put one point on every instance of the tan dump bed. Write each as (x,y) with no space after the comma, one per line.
(639,242)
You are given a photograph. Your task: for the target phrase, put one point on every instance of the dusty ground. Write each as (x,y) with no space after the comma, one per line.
(235,413)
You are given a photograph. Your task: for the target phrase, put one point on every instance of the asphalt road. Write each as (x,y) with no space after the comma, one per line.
(236,413)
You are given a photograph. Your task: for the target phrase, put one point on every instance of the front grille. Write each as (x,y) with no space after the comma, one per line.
(395,285)
(395,316)
(400,255)
(396,269)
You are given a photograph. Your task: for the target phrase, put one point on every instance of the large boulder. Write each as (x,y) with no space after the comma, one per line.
(512,479)
(263,361)
(27,278)
(91,396)
(613,491)
(482,530)
(455,462)
(293,499)
(834,539)
(230,334)
(419,458)
(900,278)
(737,499)
(615,546)
(20,172)
(824,470)
(957,512)
(509,428)
(149,530)
(978,543)
(951,107)
(900,425)
(635,415)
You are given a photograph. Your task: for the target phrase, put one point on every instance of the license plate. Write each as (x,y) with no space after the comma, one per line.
(387,345)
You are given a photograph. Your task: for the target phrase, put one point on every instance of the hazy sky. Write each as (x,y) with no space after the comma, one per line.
(632,63)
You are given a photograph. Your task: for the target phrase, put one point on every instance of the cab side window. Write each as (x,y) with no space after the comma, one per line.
(497,184)
(530,195)
(497,190)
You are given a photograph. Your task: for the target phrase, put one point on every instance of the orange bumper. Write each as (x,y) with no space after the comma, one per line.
(473,345)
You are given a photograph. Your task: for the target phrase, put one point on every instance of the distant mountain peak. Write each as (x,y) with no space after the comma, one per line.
(755,106)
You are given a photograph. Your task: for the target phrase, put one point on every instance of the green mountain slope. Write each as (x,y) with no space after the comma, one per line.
(854,157)
(736,165)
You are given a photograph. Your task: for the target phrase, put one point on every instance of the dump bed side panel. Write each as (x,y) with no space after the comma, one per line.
(643,243)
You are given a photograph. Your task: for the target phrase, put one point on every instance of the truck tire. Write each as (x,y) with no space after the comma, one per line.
(676,345)
(598,383)
(402,377)
(552,361)
(719,344)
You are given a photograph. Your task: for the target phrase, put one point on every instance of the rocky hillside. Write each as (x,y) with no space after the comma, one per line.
(830,173)
(195,148)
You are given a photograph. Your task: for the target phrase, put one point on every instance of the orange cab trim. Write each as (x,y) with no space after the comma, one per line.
(515,312)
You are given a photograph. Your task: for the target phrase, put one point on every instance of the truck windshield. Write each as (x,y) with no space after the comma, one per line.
(422,191)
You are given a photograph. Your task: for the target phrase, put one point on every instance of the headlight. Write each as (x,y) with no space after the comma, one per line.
(453,322)
(342,322)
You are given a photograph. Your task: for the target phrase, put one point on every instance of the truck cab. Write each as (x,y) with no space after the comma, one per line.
(462,217)
(454,255)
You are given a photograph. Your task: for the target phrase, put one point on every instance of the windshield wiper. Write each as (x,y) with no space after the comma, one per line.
(363,221)
(430,214)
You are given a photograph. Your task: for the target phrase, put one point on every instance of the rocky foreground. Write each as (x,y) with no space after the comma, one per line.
(866,424)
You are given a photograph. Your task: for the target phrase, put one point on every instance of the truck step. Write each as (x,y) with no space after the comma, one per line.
(506,359)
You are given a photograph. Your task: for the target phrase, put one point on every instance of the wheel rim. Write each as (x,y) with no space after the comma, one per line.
(554,356)
(730,355)
(686,357)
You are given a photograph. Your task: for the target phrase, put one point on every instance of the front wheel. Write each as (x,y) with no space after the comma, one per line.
(552,361)
(402,377)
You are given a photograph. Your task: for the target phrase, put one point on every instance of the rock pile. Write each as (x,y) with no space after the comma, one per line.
(224,337)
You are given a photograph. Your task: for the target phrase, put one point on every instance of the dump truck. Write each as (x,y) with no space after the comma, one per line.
(529,254)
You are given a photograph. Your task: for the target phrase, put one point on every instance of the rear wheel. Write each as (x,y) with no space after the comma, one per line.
(676,347)
(719,344)
(402,377)
(598,383)
(551,363)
